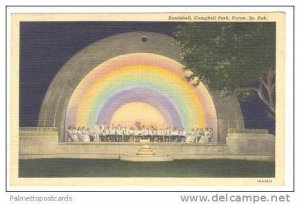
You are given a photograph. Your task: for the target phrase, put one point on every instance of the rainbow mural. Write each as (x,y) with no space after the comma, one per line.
(140,87)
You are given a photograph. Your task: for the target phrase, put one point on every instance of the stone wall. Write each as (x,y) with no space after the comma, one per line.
(251,142)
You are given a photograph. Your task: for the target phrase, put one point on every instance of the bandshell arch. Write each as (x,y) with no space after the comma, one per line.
(56,100)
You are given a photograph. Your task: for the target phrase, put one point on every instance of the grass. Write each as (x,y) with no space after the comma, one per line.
(116,168)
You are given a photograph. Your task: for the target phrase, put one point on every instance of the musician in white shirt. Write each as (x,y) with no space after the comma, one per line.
(71,134)
(206,135)
(96,132)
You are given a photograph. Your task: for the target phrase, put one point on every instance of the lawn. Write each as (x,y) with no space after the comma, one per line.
(115,168)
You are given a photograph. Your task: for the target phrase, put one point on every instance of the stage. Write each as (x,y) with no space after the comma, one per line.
(40,142)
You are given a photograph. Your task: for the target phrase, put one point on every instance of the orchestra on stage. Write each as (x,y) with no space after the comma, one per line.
(138,133)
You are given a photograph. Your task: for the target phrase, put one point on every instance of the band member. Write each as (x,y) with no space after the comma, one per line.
(206,135)
(183,135)
(134,134)
(89,134)
(201,136)
(72,137)
(96,133)
(189,138)
(83,135)
(79,133)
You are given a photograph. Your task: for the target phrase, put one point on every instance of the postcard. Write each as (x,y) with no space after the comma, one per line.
(147,99)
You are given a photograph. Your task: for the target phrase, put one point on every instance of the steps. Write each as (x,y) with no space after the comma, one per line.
(145,150)
(146,154)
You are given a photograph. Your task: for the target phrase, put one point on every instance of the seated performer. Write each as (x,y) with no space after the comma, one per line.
(206,135)
(96,133)
(189,137)
(83,135)
(201,136)
(182,135)
(106,133)
(90,135)
(79,133)
(192,136)
(132,134)
(174,134)
(112,131)
(72,137)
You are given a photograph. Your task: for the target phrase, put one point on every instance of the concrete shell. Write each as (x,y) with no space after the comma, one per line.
(55,103)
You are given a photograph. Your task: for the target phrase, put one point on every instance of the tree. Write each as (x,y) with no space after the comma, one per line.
(233,58)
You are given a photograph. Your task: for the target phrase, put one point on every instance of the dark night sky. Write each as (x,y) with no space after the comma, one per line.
(46,46)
